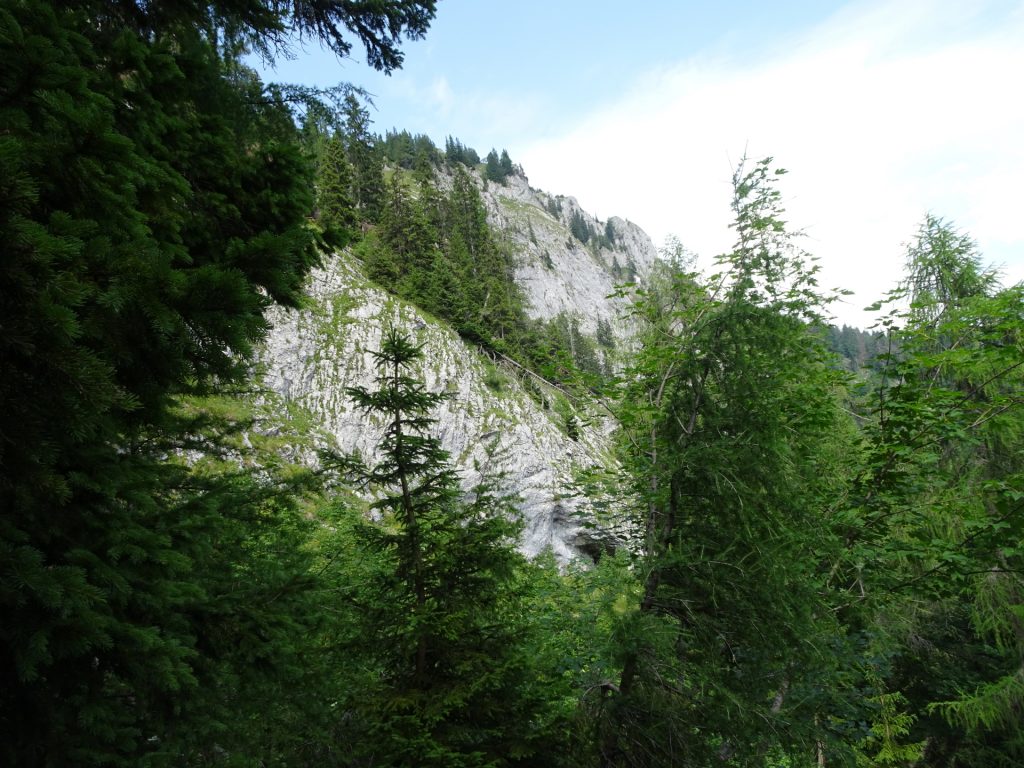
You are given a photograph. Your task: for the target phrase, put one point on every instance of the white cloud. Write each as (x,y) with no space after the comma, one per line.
(441,95)
(885,112)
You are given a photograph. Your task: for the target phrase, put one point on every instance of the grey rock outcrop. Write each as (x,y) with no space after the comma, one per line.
(558,272)
(491,424)
(500,419)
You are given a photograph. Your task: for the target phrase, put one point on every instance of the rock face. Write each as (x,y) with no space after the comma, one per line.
(558,272)
(500,419)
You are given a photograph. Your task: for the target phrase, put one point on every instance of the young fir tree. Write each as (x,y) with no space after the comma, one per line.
(442,617)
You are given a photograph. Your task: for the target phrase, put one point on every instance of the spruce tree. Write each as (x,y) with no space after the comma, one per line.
(495,306)
(454,152)
(579,227)
(409,238)
(492,169)
(366,158)
(335,179)
(154,200)
(609,233)
(442,609)
(505,163)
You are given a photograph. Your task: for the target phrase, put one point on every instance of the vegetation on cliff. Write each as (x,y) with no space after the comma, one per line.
(829,570)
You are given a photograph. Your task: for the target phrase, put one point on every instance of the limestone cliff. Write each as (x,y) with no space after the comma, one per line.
(500,419)
(557,271)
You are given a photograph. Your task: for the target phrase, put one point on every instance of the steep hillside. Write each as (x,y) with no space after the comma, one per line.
(501,418)
(558,271)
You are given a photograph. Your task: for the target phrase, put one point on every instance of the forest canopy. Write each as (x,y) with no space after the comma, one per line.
(827,525)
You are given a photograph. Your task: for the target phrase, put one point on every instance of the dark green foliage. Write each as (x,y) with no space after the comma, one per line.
(562,353)
(406,150)
(366,158)
(397,148)
(497,168)
(580,227)
(439,252)
(734,426)
(814,592)
(939,507)
(492,167)
(269,25)
(808,588)
(505,163)
(348,157)
(605,337)
(491,300)
(572,427)
(441,618)
(582,230)
(154,199)
(457,152)
(335,177)
(409,243)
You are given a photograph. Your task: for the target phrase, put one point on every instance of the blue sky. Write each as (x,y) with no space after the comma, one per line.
(881,110)
(526,69)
